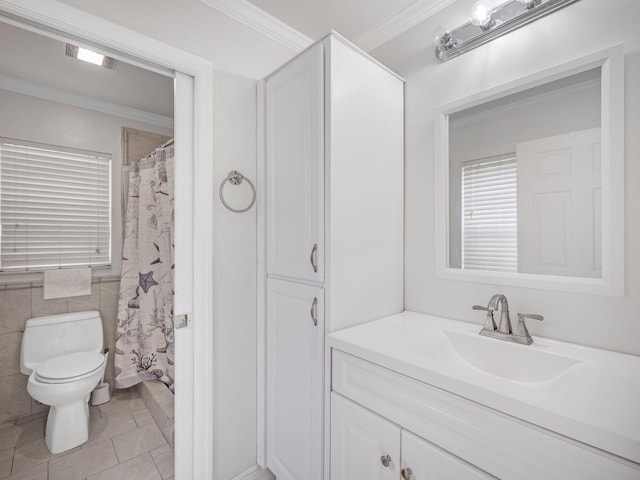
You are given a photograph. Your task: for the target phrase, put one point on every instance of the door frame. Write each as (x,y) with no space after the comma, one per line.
(193,126)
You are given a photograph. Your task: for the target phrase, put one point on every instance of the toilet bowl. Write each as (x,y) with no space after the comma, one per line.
(65,383)
(62,356)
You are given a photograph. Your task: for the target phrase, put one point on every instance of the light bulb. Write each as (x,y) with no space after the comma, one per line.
(481,14)
(90,56)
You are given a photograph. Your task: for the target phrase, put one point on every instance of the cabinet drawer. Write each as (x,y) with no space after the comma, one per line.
(496,443)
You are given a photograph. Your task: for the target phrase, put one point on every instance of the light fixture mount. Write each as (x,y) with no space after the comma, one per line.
(487,25)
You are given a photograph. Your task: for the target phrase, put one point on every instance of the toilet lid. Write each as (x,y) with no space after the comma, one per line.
(66,367)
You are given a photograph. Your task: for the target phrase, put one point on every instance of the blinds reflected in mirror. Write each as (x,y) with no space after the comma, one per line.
(55,207)
(489,214)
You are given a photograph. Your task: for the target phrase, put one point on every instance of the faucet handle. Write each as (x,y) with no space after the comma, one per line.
(533,316)
(522,330)
(480,307)
(489,323)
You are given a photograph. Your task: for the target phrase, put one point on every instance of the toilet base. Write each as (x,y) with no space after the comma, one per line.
(67,425)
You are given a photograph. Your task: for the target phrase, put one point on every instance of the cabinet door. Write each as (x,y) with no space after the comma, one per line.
(294,168)
(422,460)
(295,380)
(361,442)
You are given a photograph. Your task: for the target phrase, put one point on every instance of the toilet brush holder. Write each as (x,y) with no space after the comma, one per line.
(100,394)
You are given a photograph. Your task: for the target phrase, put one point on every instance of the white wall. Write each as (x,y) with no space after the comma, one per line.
(234,277)
(581,28)
(33,119)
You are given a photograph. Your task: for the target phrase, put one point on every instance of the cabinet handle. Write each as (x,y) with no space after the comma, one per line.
(386,460)
(314,311)
(312,257)
(406,473)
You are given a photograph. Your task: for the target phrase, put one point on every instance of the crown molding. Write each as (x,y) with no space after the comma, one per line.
(47,92)
(248,14)
(399,23)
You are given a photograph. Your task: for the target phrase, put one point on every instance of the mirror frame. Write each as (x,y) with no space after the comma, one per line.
(611,63)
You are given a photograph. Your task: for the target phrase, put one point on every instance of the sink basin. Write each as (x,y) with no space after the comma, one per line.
(515,362)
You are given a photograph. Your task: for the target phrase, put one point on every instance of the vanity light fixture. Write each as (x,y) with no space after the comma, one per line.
(489,21)
(90,56)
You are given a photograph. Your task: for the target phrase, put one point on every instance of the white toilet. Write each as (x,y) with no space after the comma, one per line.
(62,356)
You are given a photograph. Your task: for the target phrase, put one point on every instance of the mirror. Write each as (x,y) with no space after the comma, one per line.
(528,173)
(524,181)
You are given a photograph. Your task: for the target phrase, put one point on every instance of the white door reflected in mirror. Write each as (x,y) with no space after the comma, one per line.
(559,205)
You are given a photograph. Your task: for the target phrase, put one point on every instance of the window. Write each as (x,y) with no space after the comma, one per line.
(489,214)
(55,207)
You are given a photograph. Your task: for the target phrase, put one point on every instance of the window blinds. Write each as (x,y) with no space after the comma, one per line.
(55,207)
(489,215)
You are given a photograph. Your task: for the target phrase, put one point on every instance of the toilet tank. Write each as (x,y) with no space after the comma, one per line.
(47,337)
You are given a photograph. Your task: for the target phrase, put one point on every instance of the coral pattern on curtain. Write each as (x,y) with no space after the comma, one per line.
(144,333)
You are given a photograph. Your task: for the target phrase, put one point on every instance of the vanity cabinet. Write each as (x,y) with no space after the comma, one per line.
(452,437)
(366,445)
(333,230)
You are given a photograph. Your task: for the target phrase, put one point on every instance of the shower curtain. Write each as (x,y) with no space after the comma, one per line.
(144,332)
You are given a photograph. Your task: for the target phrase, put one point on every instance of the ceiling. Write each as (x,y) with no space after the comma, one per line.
(41,62)
(294,24)
(350,18)
(297,23)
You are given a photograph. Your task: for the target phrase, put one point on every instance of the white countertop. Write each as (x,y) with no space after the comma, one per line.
(596,400)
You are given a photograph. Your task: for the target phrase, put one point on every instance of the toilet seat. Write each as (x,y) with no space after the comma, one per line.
(68,368)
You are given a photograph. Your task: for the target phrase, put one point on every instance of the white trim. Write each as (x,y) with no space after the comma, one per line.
(54,94)
(185,352)
(61,19)
(259,20)
(399,23)
(261,254)
(611,60)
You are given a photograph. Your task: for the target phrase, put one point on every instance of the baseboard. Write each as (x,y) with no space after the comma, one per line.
(255,473)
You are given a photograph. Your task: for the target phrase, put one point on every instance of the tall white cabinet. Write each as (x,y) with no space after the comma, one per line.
(334,232)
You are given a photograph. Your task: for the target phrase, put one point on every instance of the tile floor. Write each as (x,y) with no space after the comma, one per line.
(124,444)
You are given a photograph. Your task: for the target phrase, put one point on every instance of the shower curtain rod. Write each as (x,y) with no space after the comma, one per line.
(168,143)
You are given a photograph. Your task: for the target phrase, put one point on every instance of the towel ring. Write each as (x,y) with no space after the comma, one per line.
(235,178)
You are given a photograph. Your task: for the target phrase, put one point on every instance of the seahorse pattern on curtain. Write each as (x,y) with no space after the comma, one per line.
(144,332)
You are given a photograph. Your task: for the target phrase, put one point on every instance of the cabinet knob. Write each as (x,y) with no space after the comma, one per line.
(386,460)
(406,473)
(312,257)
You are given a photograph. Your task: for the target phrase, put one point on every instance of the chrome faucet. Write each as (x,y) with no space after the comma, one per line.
(504,331)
